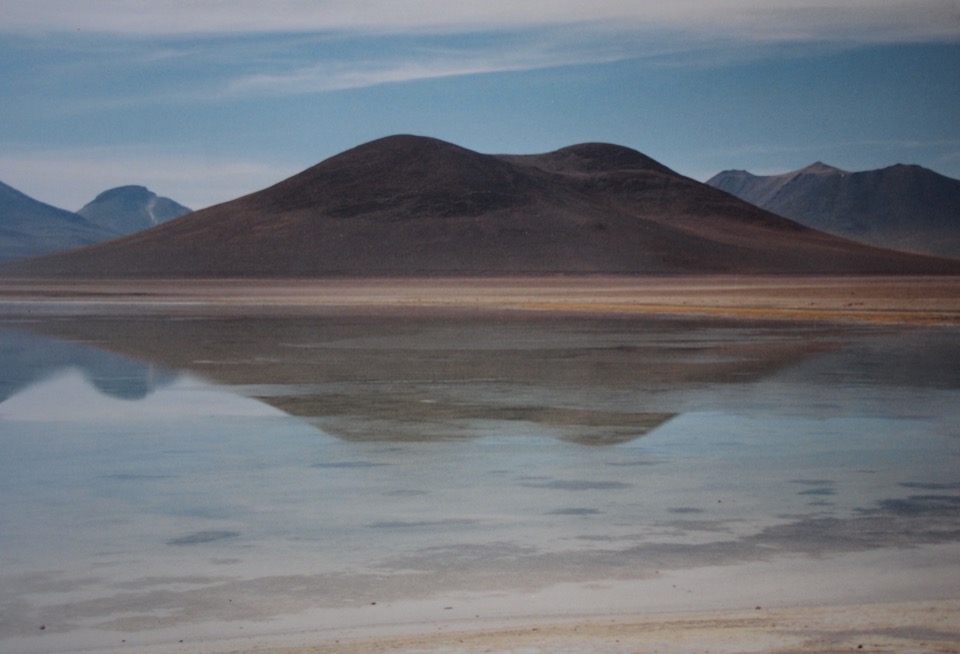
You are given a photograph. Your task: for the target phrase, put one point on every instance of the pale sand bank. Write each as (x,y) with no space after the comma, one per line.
(889,600)
(917,300)
(903,628)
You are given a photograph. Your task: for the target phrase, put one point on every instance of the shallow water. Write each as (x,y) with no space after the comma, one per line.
(161,476)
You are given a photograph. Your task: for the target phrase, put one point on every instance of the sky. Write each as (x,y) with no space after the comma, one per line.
(204,101)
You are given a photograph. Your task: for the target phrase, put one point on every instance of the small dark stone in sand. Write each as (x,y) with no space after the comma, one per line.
(42,627)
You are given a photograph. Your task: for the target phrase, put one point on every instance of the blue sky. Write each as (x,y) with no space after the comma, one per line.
(206,100)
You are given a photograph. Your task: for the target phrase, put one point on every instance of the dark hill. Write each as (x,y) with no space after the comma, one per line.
(410,206)
(401,178)
(901,207)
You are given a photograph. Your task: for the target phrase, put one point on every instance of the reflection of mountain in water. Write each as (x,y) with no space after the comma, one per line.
(27,359)
(407,378)
(915,360)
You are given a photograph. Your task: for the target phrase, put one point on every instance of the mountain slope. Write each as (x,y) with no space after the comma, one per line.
(128,209)
(902,207)
(30,228)
(413,206)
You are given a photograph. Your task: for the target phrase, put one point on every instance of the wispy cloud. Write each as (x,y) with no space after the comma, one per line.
(245,48)
(128,72)
(336,76)
(385,65)
(218,50)
(870,20)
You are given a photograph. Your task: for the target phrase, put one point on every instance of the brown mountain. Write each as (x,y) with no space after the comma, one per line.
(412,206)
(902,207)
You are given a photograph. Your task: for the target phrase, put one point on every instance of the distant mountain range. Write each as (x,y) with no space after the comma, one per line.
(416,206)
(128,209)
(902,207)
(30,228)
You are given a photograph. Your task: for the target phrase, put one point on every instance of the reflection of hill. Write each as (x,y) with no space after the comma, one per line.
(421,378)
(905,360)
(27,359)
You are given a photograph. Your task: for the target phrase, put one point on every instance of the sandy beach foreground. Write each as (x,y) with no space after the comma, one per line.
(907,627)
(881,601)
(885,601)
(892,300)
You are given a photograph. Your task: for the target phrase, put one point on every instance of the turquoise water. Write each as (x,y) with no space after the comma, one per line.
(211,473)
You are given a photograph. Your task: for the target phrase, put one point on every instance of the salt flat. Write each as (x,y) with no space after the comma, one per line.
(884,299)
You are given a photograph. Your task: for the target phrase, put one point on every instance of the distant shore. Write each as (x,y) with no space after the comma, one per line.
(881,299)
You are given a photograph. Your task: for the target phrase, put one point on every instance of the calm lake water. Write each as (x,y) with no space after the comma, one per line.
(163,479)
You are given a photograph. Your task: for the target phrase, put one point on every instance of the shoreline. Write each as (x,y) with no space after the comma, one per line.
(868,300)
(885,600)
(882,599)
(900,627)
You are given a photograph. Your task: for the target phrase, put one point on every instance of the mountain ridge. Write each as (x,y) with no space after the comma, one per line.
(408,205)
(127,209)
(904,206)
(31,228)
